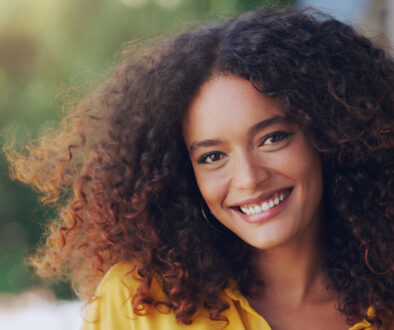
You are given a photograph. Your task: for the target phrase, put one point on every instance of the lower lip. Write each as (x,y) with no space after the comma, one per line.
(264,216)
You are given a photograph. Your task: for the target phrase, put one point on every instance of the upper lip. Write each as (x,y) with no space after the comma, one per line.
(260,198)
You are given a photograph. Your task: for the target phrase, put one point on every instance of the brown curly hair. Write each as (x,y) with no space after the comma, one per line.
(120,175)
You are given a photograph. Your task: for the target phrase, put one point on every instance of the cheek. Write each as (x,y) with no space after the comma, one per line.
(304,160)
(212,187)
(302,164)
(308,171)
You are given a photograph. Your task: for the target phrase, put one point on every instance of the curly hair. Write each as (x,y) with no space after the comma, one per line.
(119,173)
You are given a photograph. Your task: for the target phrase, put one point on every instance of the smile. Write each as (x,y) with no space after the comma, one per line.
(267,204)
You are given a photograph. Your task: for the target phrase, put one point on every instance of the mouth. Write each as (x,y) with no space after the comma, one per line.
(274,199)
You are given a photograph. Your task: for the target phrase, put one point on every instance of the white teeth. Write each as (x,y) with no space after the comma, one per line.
(266,205)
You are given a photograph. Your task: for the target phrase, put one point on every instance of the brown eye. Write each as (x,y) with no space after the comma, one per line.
(276,137)
(210,157)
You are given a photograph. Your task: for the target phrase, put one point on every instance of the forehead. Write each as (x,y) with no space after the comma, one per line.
(226,104)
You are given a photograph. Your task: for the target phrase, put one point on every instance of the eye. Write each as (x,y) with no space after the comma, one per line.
(275,138)
(210,157)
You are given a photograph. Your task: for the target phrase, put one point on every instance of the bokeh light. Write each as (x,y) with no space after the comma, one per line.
(134,3)
(168,3)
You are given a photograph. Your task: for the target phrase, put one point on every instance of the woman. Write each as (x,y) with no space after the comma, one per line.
(239,176)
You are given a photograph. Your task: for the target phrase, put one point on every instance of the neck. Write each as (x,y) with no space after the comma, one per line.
(293,272)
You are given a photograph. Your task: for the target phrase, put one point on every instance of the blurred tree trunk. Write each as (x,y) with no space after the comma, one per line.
(376,17)
(378,23)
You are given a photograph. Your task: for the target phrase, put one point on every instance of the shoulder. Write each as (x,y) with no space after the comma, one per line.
(121,282)
(120,279)
(112,306)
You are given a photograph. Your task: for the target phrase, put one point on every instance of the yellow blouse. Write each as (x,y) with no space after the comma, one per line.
(112,310)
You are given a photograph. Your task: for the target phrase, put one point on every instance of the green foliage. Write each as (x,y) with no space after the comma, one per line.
(245,5)
(46,46)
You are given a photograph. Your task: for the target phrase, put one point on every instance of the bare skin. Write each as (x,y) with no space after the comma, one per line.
(244,152)
(296,294)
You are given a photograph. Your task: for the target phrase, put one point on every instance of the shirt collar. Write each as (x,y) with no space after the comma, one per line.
(232,291)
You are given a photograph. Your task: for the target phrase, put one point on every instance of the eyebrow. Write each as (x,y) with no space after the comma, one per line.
(254,129)
(268,122)
(205,143)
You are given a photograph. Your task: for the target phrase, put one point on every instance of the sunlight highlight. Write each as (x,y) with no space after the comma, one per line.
(134,3)
(168,3)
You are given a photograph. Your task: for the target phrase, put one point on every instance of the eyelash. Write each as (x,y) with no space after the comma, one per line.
(282,135)
(203,158)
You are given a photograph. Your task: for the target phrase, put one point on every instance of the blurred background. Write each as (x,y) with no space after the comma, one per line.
(47,46)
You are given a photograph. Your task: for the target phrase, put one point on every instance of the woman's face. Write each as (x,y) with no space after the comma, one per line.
(258,172)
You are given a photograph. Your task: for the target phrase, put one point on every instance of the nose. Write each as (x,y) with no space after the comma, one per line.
(249,172)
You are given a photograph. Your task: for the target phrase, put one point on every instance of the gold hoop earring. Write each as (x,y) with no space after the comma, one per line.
(216,228)
(204,215)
